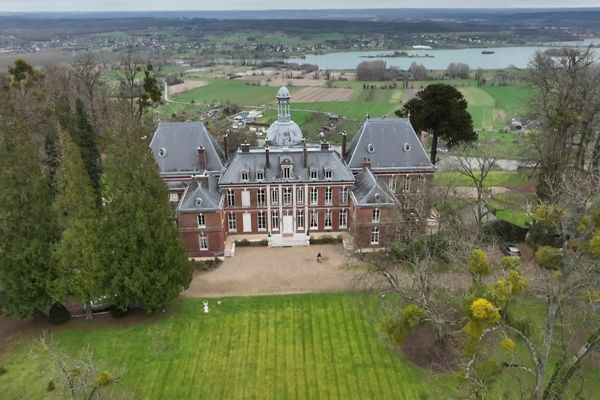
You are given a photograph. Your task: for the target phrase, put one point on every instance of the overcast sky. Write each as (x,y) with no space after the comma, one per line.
(153,5)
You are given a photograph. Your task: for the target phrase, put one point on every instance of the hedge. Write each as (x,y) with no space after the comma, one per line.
(58,314)
(505,231)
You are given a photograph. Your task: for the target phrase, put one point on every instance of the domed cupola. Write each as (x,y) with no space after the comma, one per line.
(284,131)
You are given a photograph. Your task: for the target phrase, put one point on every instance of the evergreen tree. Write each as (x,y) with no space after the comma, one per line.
(27,229)
(52,161)
(79,269)
(84,135)
(145,259)
(441,110)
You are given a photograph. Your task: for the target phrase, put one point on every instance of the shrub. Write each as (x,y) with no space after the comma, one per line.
(505,231)
(3,371)
(58,314)
(206,265)
(247,243)
(548,257)
(51,386)
(117,312)
(327,239)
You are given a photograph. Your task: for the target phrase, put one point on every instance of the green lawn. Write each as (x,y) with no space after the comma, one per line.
(509,179)
(233,90)
(321,346)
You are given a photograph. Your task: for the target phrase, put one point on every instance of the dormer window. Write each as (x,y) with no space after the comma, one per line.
(328,174)
(260,175)
(314,174)
(198,202)
(162,152)
(286,171)
(245,175)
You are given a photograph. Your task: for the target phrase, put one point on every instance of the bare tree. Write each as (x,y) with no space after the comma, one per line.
(89,75)
(476,164)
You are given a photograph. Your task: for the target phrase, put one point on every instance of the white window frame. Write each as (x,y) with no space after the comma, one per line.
(314,174)
(300,195)
(201,220)
(173,197)
(314,219)
(286,171)
(406,183)
(375,235)
(245,175)
(329,195)
(328,224)
(299,219)
(260,175)
(328,174)
(260,197)
(392,183)
(343,219)
(376,215)
(344,195)
(314,195)
(420,182)
(275,220)
(274,196)
(261,219)
(203,241)
(231,222)
(287,194)
(230,198)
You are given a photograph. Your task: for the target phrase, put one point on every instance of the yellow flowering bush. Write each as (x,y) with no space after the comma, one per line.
(507,344)
(518,283)
(479,263)
(104,378)
(483,310)
(595,245)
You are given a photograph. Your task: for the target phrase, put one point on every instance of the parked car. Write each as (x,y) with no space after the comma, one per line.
(100,304)
(511,250)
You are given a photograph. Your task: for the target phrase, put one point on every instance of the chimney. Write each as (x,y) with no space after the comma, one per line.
(304,154)
(344,135)
(245,147)
(422,138)
(225,149)
(366,164)
(267,164)
(201,158)
(324,145)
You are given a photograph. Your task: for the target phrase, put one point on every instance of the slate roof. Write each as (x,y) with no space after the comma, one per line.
(369,190)
(255,159)
(198,197)
(391,144)
(179,142)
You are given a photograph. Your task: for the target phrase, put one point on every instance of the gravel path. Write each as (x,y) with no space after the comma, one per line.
(262,270)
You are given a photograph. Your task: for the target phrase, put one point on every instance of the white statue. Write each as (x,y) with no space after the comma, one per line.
(205,307)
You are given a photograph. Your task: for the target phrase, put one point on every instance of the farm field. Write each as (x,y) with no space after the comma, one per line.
(313,346)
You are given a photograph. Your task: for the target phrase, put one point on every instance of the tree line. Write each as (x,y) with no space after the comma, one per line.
(84,213)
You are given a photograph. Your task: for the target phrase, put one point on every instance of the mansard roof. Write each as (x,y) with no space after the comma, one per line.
(369,190)
(254,159)
(201,196)
(391,144)
(174,146)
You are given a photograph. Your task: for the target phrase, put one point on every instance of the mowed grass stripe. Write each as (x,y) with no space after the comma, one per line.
(318,346)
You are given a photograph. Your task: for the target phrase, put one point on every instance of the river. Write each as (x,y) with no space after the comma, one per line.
(502,57)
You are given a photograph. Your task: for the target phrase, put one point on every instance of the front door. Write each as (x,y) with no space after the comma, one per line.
(247,222)
(288,225)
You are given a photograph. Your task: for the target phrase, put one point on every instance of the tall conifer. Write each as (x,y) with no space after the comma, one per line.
(146,261)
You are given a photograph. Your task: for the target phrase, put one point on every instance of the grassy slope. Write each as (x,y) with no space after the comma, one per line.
(233,90)
(280,347)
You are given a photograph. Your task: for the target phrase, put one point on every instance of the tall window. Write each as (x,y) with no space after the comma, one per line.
(230,198)
(343,218)
(314,195)
(287,196)
(262,221)
(328,195)
(299,219)
(420,183)
(344,195)
(406,202)
(314,174)
(328,219)
(201,221)
(231,222)
(376,215)
(275,220)
(375,235)
(203,239)
(392,183)
(260,197)
(328,174)
(314,219)
(300,196)
(274,196)
(260,175)
(406,183)
(245,176)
